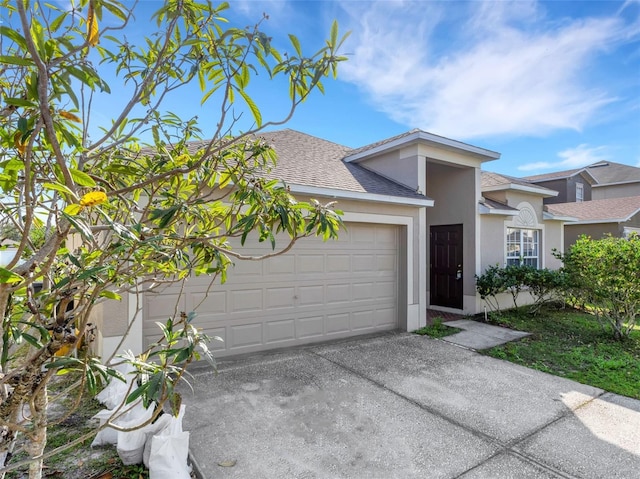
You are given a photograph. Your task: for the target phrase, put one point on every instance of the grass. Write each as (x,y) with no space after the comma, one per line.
(572,344)
(81,461)
(437,330)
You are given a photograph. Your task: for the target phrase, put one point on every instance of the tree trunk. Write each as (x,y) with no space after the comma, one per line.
(38,437)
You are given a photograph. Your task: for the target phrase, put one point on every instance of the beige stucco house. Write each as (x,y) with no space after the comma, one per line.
(421,220)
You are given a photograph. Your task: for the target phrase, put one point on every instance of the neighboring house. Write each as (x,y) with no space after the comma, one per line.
(615,216)
(419,226)
(601,180)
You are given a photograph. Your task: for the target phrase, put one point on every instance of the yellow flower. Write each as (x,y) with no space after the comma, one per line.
(93,198)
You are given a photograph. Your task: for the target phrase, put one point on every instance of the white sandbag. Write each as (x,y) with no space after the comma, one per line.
(156,428)
(115,391)
(131,443)
(108,435)
(169,451)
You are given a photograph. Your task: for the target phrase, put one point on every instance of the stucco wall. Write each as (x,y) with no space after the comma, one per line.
(615,191)
(402,166)
(454,192)
(595,231)
(492,234)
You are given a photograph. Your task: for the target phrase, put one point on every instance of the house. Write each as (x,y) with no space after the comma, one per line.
(618,217)
(421,220)
(600,180)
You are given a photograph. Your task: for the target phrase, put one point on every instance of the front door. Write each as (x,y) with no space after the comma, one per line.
(446,266)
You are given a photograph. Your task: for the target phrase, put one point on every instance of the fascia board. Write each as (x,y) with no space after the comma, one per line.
(357,195)
(547,193)
(485,210)
(486,155)
(551,217)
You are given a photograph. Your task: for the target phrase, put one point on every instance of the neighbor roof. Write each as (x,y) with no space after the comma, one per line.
(603,172)
(495,182)
(608,172)
(610,210)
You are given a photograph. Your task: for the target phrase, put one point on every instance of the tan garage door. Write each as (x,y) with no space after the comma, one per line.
(317,291)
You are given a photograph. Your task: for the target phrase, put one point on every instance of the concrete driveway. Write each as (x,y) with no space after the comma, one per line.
(404,406)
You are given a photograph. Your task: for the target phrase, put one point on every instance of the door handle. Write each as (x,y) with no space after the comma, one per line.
(459,273)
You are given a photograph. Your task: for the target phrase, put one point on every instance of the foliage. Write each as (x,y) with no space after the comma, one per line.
(437,330)
(604,275)
(144,202)
(543,285)
(572,344)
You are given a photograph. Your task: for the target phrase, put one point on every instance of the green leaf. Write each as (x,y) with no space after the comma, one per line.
(73,209)
(59,187)
(19,102)
(296,44)
(14,35)
(81,178)
(255,111)
(80,226)
(110,295)
(7,276)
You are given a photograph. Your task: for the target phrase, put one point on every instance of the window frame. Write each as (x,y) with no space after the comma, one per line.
(580,196)
(522,243)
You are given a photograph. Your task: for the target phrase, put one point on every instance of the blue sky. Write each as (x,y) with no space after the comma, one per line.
(550,85)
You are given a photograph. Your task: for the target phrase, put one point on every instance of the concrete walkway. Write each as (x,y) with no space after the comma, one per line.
(404,406)
(477,336)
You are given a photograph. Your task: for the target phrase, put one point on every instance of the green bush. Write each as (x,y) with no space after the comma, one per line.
(604,275)
(543,285)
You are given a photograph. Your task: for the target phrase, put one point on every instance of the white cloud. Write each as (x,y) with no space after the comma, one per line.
(581,155)
(499,68)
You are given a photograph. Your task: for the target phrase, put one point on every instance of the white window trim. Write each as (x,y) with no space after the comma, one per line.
(527,219)
(580,188)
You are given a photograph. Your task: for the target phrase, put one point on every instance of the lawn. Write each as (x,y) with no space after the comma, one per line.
(572,344)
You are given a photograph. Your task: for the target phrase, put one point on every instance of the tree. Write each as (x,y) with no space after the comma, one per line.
(604,276)
(144,202)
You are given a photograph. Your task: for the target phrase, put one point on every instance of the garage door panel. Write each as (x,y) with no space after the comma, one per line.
(215,302)
(307,263)
(278,331)
(362,320)
(319,290)
(337,323)
(278,298)
(311,295)
(244,335)
(385,317)
(311,327)
(362,291)
(245,300)
(280,265)
(338,263)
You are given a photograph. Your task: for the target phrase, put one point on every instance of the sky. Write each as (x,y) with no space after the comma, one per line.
(551,85)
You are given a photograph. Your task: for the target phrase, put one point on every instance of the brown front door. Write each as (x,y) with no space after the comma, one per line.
(446,266)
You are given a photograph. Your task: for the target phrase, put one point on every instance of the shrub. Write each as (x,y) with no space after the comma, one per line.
(605,276)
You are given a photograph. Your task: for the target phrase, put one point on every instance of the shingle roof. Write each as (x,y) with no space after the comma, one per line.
(609,172)
(490,180)
(307,160)
(610,210)
(497,205)
(603,172)
(553,176)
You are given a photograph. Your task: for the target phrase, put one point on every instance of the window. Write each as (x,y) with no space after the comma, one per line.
(523,247)
(579,192)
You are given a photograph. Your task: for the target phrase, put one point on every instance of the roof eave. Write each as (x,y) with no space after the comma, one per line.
(551,217)
(485,210)
(418,136)
(359,195)
(544,192)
